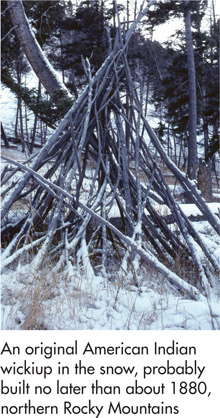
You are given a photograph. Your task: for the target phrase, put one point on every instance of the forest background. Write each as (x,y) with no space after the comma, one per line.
(177,83)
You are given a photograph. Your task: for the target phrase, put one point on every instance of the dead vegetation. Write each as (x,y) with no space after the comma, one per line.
(67,224)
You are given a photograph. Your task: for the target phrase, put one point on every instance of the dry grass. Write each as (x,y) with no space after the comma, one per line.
(36,298)
(14,153)
(36,290)
(46,297)
(49,299)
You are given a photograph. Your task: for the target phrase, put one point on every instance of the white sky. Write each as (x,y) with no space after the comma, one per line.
(163,32)
(166,30)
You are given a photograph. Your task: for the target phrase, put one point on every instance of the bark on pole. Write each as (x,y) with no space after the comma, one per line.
(192,146)
(33,51)
(62,214)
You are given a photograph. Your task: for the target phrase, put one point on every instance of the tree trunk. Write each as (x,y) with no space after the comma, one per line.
(205,180)
(35,120)
(192,146)
(34,53)
(114,13)
(20,116)
(4,137)
(60,210)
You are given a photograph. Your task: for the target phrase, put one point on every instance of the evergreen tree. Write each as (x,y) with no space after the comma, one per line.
(176,83)
(10,46)
(42,19)
(83,35)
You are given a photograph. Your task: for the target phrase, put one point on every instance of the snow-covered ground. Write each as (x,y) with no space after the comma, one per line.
(8,103)
(8,110)
(49,301)
(80,299)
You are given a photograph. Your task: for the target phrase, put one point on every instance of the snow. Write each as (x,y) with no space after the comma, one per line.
(191,209)
(8,110)
(80,297)
(86,302)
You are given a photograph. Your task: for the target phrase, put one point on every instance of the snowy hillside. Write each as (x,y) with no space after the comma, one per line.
(97,232)
(133,296)
(79,300)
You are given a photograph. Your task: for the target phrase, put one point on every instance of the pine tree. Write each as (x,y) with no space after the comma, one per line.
(83,35)
(192,12)
(35,55)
